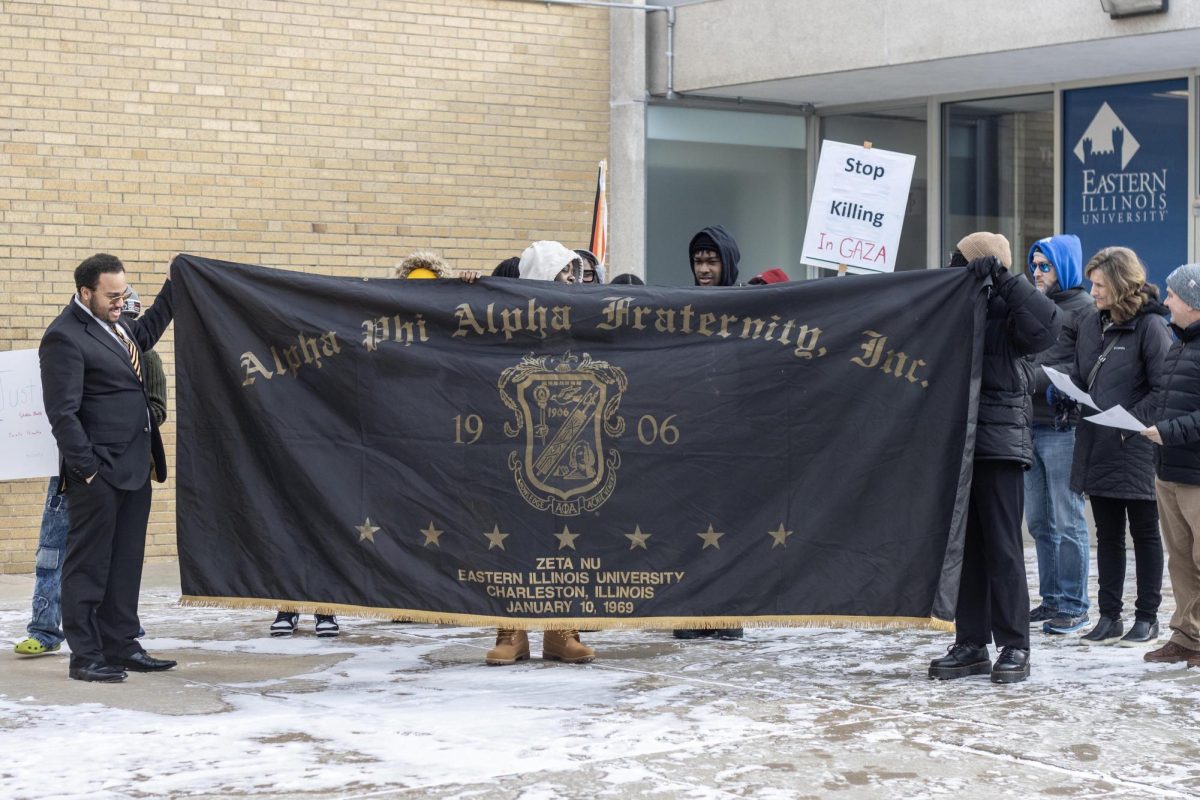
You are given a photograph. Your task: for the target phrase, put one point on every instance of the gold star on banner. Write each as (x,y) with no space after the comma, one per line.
(366,530)
(710,538)
(780,536)
(637,538)
(496,538)
(566,538)
(432,535)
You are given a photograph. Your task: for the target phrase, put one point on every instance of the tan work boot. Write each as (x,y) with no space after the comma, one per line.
(565,646)
(511,647)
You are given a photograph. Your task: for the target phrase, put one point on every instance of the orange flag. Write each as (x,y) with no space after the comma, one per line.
(600,217)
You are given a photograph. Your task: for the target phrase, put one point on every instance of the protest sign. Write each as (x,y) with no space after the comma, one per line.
(29,450)
(857,209)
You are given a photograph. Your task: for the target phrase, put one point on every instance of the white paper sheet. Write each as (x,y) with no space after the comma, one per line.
(1067,387)
(1118,417)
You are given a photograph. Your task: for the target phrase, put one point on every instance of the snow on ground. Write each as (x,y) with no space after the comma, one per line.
(390,710)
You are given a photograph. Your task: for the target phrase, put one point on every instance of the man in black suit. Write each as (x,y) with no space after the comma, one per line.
(108,442)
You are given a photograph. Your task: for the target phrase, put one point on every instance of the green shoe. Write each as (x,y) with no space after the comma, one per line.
(32,647)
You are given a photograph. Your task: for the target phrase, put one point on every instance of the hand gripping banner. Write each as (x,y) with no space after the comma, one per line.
(542,455)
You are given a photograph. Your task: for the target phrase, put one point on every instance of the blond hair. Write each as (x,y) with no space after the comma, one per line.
(422,259)
(1126,276)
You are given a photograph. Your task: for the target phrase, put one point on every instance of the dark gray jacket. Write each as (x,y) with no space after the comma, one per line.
(1178,410)
(1074,303)
(1021,321)
(1110,462)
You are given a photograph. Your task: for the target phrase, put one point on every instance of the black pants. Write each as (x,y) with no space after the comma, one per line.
(102,572)
(1110,514)
(993,597)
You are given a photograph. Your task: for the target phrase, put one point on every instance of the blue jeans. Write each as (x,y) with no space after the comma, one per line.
(1055,516)
(52,547)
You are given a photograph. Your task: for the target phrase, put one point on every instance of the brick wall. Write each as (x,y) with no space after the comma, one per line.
(329,137)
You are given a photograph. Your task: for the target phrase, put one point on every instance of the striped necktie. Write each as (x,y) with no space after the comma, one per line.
(132,348)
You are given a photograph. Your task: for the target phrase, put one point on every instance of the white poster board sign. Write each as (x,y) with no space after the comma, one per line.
(857,210)
(29,450)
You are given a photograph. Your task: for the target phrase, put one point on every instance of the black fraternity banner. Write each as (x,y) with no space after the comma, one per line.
(545,455)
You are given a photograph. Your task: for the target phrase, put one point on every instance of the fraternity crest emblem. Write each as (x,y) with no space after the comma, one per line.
(564,408)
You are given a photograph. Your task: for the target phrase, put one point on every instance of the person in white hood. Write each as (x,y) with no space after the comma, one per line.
(543,261)
(550,261)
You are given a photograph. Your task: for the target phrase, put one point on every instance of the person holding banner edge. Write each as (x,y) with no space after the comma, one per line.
(109,444)
(45,634)
(993,597)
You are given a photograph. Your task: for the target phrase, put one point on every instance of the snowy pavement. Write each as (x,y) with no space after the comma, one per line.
(406,711)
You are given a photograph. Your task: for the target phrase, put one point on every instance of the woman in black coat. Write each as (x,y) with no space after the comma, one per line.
(1119,355)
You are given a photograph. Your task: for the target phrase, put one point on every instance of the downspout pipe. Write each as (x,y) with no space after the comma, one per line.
(631,7)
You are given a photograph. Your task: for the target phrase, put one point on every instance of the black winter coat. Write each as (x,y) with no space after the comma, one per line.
(1074,303)
(1178,411)
(1110,462)
(1021,321)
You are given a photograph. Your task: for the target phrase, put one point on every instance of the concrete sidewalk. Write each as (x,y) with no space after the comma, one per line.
(390,710)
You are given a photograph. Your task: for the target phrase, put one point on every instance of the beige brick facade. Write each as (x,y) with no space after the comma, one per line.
(330,137)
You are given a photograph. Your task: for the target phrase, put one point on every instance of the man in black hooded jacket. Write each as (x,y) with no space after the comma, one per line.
(714,255)
(993,596)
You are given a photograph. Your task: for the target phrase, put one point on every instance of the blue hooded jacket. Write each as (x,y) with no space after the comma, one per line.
(1065,253)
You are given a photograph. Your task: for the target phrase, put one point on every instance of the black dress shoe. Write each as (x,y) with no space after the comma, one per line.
(961,660)
(143,662)
(1142,633)
(1012,666)
(98,672)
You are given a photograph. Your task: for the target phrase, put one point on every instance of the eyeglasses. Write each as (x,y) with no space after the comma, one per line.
(113,297)
(1045,266)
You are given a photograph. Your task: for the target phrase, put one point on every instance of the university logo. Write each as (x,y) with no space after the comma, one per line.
(1106,139)
(1111,194)
(564,410)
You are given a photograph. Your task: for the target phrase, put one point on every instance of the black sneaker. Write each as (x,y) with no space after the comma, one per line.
(285,623)
(1040,615)
(692,633)
(1065,623)
(327,626)
(961,660)
(1141,634)
(1107,631)
(1012,666)
(729,633)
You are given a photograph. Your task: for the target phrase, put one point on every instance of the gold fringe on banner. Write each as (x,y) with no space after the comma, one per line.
(570,623)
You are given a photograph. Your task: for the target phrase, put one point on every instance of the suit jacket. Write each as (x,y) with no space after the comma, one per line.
(96,405)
